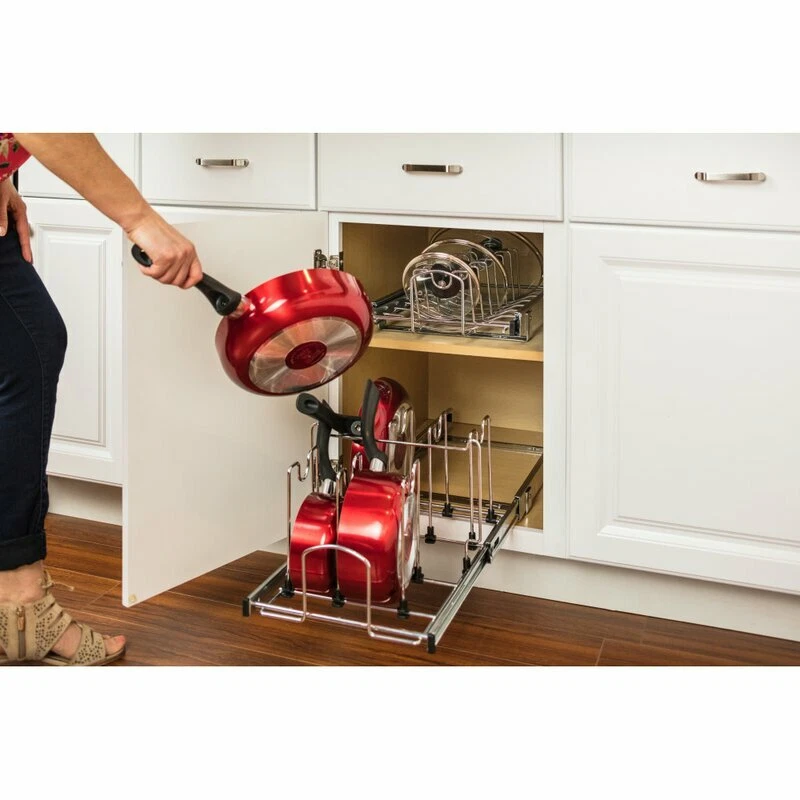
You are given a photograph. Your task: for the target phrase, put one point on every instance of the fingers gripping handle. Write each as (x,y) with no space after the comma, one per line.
(225,300)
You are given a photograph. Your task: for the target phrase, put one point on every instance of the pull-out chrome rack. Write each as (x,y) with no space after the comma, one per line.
(277,598)
(459,286)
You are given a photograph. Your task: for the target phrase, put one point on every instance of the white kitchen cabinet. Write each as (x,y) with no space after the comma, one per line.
(515,175)
(261,170)
(674,345)
(78,253)
(207,462)
(205,478)
(720,180)
(684,389)
(37,181)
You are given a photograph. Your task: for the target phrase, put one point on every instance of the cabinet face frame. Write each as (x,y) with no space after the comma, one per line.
(551,541)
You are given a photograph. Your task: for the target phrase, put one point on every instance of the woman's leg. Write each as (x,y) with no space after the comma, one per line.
(33,341)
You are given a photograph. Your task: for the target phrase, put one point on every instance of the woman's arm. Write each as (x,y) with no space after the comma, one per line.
(80,160)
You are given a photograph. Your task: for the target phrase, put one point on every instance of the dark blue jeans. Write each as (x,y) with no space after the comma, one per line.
(33,341)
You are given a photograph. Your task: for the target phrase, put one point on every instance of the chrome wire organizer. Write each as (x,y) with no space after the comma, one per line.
(479,286)
(277,598)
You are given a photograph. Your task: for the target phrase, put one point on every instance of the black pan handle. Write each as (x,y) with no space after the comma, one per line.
(326,471)
(320,410)
(224,299)
(369,407)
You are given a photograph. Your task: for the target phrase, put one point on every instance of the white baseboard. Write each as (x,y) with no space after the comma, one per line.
(650,594)
(94,501)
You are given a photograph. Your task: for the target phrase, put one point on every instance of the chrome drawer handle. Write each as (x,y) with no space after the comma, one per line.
(222,162)
(446,169)
(731,177)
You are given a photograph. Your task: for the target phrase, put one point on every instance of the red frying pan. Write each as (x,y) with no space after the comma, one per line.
(376,521)
(315,524)
(392,405)
(293,332)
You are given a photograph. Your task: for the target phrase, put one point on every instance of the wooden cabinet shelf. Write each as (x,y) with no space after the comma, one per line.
(532,350)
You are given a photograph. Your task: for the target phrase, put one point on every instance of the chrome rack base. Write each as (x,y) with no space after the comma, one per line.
(278,597)
(265,596)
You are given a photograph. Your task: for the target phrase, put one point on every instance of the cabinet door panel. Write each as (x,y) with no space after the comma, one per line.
(78,252)
(206,461)
(685,385)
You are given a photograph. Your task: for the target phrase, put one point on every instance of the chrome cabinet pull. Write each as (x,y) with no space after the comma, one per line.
(447,169)
(731,177)
(222,162)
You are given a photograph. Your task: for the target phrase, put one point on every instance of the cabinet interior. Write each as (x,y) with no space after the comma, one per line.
(475,377)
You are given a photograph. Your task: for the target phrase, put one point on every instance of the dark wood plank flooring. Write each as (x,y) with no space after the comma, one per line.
(201,623)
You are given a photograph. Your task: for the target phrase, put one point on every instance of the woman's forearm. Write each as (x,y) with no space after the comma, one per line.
(79,160)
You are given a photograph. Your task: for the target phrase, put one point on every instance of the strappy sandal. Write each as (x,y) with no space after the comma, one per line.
(28,633)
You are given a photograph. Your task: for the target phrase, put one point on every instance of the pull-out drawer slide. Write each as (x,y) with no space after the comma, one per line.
(518,509)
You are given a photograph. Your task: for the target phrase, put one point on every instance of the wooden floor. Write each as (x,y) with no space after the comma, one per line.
(201,623)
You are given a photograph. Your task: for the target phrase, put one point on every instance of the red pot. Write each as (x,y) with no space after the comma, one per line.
(303,330)
(315,524)
(294,332)
(376,521)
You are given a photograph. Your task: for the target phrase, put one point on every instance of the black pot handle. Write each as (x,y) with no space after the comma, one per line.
(224,299)
(369,407)
(326,471)
(320,410)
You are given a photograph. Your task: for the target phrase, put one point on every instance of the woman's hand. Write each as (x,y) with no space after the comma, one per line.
(173,255)
(10,201)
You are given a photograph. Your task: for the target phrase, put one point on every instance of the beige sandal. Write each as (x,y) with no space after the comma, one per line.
(28,633)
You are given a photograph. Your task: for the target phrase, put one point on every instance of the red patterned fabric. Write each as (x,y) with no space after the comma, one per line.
(12,155)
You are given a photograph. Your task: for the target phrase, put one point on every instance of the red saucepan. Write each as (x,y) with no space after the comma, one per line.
(377,521)
(294,332)
(315,524)
(393,406)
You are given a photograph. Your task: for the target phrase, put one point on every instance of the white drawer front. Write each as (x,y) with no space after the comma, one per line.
(280,171)
(502,174)
(37,181)
(650,178)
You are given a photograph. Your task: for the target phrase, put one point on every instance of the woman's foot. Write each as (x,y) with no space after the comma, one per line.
(27,585)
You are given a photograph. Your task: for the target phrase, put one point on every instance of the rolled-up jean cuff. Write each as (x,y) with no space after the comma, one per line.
(16,553)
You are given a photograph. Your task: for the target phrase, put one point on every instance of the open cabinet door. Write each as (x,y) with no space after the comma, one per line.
(206,461)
